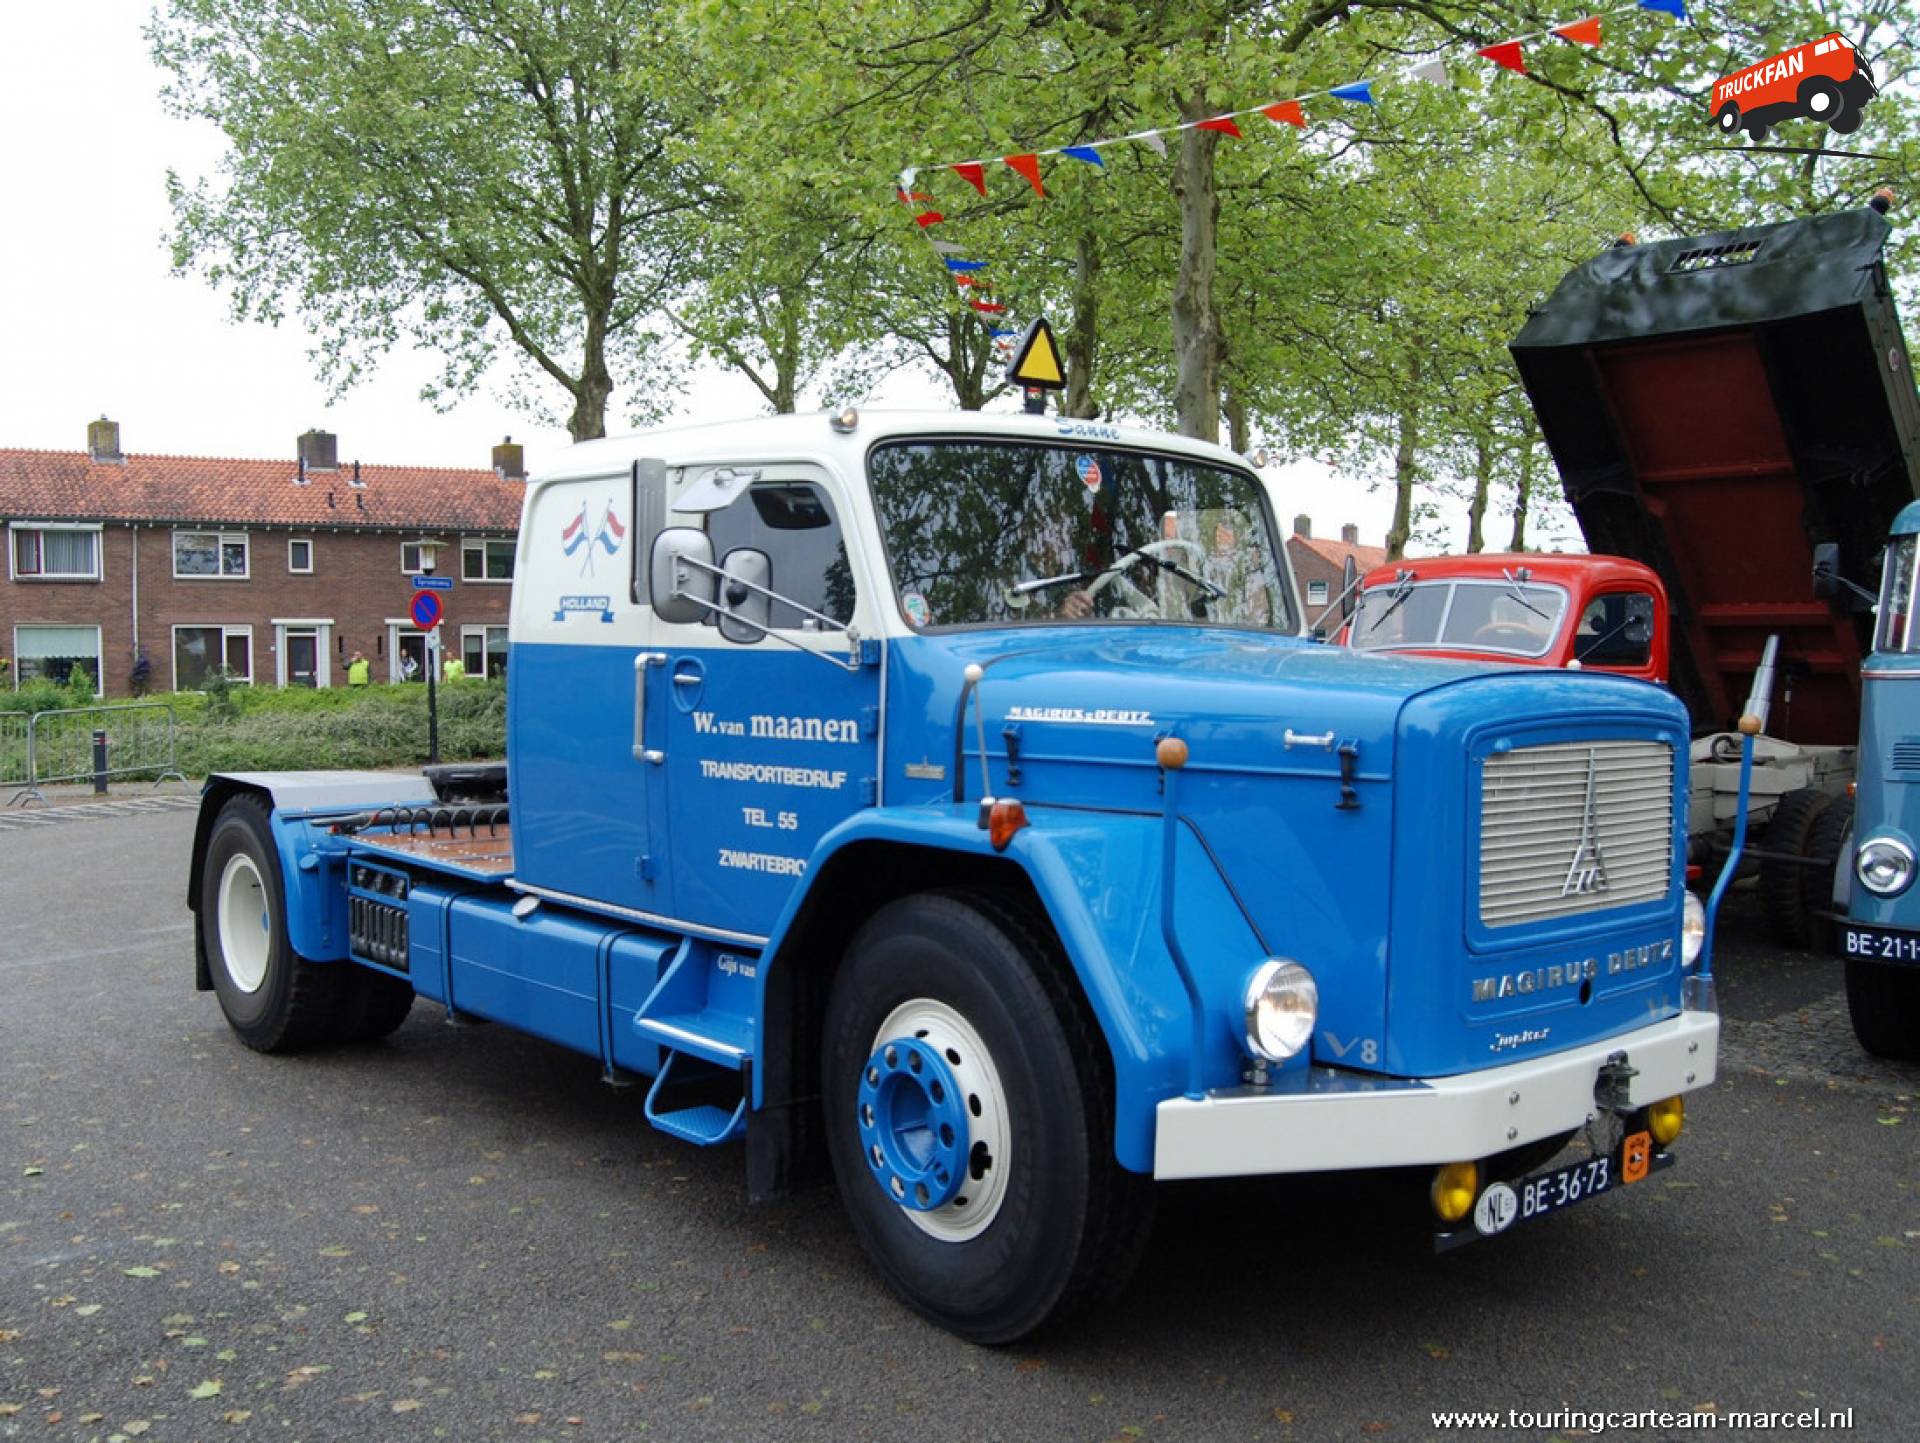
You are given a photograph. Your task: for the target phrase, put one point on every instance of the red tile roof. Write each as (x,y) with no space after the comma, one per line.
(69,485)
(1335,553)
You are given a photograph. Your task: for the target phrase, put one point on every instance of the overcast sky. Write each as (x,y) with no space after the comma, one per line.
(95,322)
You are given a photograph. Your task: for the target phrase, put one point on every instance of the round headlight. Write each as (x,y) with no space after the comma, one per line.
(1884,866)
(1693,930)
(1282,1006)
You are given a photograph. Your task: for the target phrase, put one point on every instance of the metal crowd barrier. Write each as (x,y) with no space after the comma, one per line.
(13,747)
(142,738)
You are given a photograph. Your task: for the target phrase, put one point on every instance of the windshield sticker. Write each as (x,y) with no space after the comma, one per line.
(1089,430)
(602,605)
(1088,469)
(917,610)
(1081,716)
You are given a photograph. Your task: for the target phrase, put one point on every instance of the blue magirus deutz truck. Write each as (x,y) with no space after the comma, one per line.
(953,801)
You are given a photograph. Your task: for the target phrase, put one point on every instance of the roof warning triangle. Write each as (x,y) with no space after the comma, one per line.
(1036,360)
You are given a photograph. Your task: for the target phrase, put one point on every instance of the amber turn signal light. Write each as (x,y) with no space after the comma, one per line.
(1003,821)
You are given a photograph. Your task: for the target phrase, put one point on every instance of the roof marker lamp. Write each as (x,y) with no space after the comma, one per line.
(1693,931)
(1282,1006)
(1884,866)
(844,420)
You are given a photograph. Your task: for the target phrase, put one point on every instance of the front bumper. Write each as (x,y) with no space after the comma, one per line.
(1328,1120)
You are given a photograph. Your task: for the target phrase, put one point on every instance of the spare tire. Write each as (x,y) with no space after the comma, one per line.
(1783,884)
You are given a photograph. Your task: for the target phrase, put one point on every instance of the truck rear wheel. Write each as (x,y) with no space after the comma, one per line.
(1828,841)
(970,1122)
(1783,884)
(371,1006)
(1883,999)
(274,999)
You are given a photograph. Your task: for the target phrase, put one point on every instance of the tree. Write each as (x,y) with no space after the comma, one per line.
(481,176)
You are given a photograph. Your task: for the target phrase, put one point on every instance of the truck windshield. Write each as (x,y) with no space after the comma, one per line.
(1468,615)
(991,532)
(1897,631)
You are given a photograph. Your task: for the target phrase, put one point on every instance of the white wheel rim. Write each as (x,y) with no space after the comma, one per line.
(246,924)
(1820,102)
(945,1030)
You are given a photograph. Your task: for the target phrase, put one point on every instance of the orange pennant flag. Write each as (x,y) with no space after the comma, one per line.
(975,174)
(1222,123)
(1029,166)
(1581,32)
(1506,55)
(929,217)
(1285,112)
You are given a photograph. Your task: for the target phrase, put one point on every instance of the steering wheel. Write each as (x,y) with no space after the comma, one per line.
(1139,604)
(1509,634)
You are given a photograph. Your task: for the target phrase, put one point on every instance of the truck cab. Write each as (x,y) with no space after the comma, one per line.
(952,803)
(1594,613)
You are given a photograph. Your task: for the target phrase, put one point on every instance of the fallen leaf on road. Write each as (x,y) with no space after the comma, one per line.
(529,1419)
(34,1172)
(1283,1415)
(141,1272)
(211,1388)
(87,1311)
(90,1417)
(133,1428)
(356,1317)
(7,1410)
(1029,1365)
(406,1405)
(236,1415)
(10,1335)
(229,1267)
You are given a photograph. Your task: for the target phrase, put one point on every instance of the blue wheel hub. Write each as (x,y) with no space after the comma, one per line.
(913,1123)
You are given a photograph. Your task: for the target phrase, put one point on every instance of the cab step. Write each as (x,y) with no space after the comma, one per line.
(703,1123)
(703,1005)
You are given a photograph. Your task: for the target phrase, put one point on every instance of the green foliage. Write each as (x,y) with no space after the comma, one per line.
(218,687)
(366,727)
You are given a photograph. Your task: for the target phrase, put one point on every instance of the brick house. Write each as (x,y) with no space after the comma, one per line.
(1318,565)
(279,570)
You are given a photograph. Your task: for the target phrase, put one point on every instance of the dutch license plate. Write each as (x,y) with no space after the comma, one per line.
(1879,944)
(1502,1205)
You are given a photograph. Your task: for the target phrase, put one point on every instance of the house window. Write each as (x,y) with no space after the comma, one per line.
(486,560)
(56,553)
(220,554)
(300,556)
(410,558)
(54,653)
(197,650)
(1316,593)
(483,651)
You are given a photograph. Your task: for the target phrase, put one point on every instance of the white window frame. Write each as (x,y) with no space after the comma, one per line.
(402,626)
(480,544)
(99,682)
(14,528)
(416,569)
(223,539)
(225,629)
(1324,589)
(323,647)
(293,541)
(467,633)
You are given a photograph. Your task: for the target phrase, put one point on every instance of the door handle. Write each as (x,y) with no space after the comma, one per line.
(642,663)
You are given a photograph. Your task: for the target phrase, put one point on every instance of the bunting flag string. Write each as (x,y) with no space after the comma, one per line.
(963,271)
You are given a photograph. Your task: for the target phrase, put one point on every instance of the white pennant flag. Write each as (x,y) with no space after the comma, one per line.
(948,248)
(1434,72)
(1158,141)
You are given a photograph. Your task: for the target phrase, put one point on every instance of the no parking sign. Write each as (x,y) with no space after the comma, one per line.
(426,609)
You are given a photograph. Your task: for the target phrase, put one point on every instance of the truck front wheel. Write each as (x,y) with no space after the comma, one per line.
(273,999)
(969,1120)
(1883,1000)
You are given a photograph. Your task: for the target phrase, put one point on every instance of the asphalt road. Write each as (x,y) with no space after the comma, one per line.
(461,1234)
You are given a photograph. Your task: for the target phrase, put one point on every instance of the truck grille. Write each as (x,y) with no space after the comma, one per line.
(1574,827)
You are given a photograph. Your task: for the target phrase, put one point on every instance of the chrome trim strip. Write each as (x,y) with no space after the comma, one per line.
(667,1029)
(673,924)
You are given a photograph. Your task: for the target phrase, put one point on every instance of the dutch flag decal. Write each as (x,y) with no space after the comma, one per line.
(576,533)
(612,533)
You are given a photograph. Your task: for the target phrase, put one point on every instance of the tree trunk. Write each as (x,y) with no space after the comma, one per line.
(1239,433)
(1196,328)
(595,386)
(1477,509)
(1523,492)
(1082,339)
(1405,455)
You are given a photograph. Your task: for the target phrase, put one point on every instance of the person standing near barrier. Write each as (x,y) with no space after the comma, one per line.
(359,670)
(453,670)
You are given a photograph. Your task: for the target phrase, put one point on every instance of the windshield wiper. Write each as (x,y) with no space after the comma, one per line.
(1044,583)
(1402,589)
(1515,594)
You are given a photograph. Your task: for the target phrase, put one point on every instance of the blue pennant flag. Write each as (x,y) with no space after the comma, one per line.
(964,267)
(1676,8)
(1092,156)
(1362,90)
(996,333)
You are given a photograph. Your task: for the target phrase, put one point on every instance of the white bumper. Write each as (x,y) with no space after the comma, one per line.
(1324,1120)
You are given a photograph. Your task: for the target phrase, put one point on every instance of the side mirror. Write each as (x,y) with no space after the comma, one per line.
(744,593)
(1826,570)
(1349,591)
(1638,631)
(677,582)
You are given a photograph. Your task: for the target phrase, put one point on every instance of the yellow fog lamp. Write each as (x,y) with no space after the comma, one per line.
(1665,1119)
(1454,1190)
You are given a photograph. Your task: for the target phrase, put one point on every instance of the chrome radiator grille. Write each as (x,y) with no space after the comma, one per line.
(1574,827)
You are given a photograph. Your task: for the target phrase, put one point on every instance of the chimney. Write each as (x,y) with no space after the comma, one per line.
(1350,534)
(103,442)
(510,461)
(319,451)
(1303,526)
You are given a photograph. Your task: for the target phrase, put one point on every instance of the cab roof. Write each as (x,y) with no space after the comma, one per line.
(1560,567)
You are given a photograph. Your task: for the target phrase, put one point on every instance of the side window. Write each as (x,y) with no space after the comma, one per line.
(1616,630)
(794,524)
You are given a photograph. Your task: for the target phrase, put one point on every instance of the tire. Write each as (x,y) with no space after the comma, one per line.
(1757,131)
(372,1005)
(1821,99)
(1846,120)
(1728,119)
(274,999)
(1884,1002)
(958,1005)
(1829,840)
(1783,885)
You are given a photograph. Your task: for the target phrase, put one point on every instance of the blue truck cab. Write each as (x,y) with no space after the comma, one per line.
(954,801)
(1877,903)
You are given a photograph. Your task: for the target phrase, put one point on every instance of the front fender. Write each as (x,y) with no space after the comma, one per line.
(1098,877)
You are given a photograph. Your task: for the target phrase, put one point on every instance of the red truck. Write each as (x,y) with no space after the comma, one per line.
(1824,79)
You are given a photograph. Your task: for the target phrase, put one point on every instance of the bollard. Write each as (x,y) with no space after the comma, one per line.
(99,763)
